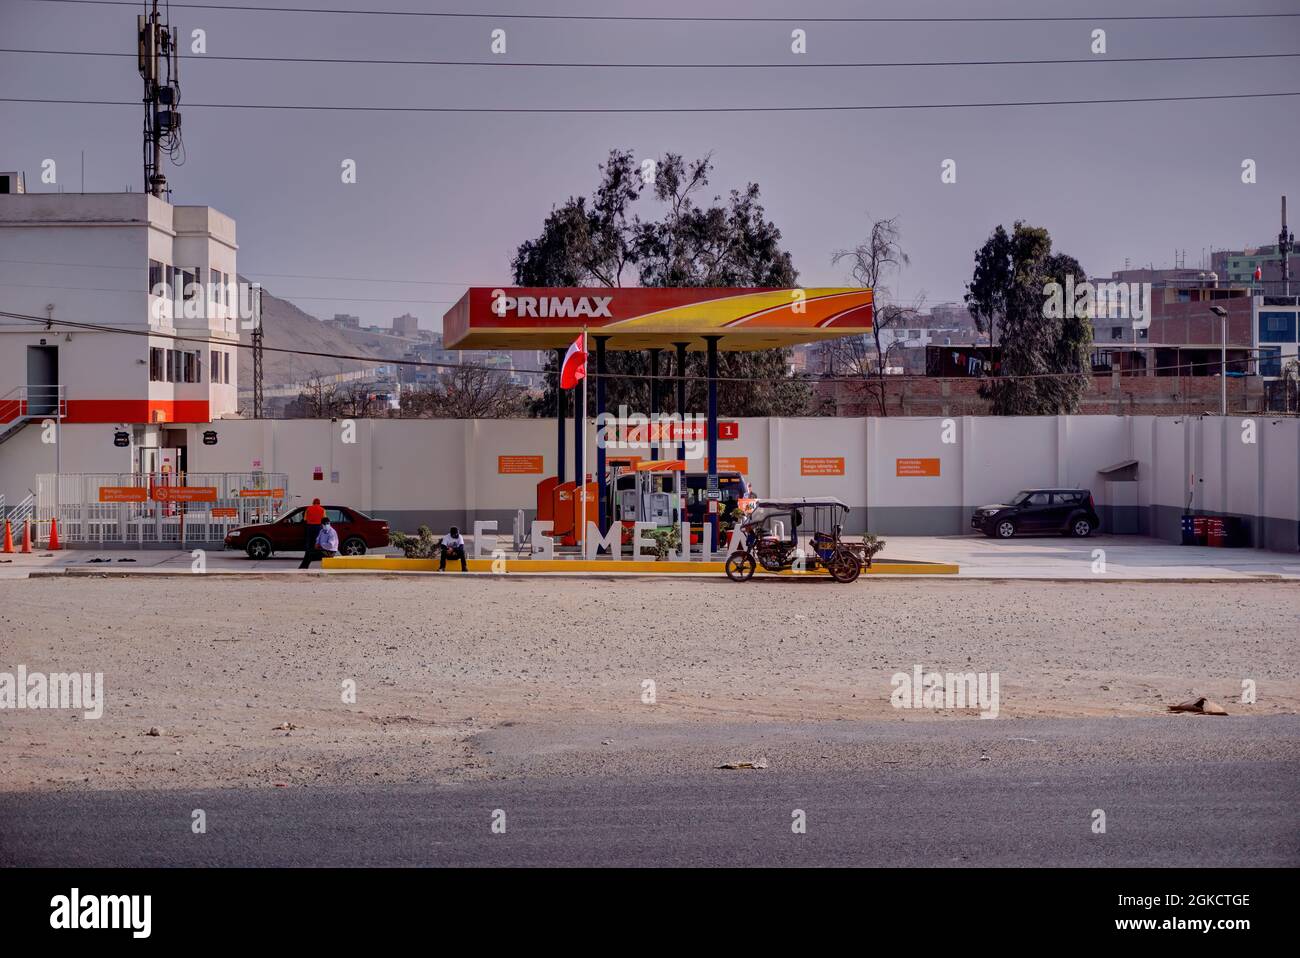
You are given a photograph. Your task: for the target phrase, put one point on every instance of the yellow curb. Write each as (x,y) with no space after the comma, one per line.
(648,567)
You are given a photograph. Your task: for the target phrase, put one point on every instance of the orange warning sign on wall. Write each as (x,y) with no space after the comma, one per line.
(728,464)
(519,465)
(224,512)
(185,493)
(916,467)
(822,466)
(261,493)
(122,494)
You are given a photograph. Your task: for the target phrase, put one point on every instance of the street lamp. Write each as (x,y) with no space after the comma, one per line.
(1223,358)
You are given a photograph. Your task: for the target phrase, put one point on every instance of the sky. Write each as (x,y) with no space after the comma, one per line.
(441,200)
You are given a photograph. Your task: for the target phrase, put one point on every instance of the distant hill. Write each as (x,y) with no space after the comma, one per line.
(288,327)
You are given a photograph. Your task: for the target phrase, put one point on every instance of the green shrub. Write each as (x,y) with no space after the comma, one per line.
(872,545)
(423,545)
(666,541)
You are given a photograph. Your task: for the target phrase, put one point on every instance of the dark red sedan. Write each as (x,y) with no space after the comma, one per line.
(357,532)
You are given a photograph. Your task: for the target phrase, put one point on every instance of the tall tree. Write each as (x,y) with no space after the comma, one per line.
(1044,352)
(871,262)
(692,243)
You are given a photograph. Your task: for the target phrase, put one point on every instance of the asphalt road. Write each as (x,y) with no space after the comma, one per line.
(1159,812)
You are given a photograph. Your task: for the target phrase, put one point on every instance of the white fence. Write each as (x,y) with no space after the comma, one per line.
(137,509)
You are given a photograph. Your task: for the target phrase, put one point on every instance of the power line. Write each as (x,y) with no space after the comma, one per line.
(350,279)
(666,109)
(459,284)
(793,64)
(50,323)
(326,299)
(666,18)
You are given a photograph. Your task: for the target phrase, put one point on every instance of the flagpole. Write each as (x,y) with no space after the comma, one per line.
(582,479)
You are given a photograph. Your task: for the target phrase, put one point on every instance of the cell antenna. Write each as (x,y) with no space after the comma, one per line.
(159,61)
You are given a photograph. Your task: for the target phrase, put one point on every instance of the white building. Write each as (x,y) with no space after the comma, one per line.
(102,259)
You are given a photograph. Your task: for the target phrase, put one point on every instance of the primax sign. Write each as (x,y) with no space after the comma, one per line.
(546,307)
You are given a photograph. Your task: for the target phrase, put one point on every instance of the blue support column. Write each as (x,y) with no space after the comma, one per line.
(559,417)
(711,481)
(601,490)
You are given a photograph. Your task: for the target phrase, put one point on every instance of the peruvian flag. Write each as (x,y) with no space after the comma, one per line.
(574,367)
(1259,273)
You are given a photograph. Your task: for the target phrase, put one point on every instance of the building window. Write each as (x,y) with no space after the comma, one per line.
(220,362)
(191,366)
(1270,362)
(1277,327)
(156,366)
(1117,332)
(155,275)
(1142,333)
(214,366)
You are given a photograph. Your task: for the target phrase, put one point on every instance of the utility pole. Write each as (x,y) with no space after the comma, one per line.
(159,62)
(257,358)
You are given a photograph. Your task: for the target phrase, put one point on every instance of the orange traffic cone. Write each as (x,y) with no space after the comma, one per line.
(9,537)
(54,534)
(27,536)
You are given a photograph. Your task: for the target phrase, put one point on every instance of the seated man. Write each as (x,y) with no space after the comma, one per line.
(453,546)
(326,544)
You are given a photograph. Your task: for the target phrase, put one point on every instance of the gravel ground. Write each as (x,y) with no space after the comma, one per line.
(464,678)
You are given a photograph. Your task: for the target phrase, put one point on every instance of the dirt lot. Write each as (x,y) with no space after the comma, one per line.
(244,678)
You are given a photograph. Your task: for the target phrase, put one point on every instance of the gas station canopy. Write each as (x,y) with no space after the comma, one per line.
(650,318)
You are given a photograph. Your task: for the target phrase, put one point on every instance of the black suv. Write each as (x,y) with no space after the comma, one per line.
(1060,511)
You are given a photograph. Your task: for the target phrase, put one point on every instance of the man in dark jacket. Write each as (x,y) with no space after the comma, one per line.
(453,547)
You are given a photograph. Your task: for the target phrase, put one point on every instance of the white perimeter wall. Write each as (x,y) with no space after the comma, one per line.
(445,471)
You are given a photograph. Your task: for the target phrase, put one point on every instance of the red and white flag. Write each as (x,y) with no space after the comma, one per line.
(574,367)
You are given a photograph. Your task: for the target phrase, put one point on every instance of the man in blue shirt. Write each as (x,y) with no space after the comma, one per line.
(327,544)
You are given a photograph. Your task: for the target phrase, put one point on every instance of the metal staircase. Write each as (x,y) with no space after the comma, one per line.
(18,514)
(20,406)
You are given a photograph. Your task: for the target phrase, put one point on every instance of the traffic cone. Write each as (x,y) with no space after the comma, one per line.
(54,534)
(9,537)
(27,536)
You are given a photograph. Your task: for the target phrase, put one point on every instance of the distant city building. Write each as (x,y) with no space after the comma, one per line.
(1185,337)
(1238,266)
(406,326)
(344,321)
(951,316)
